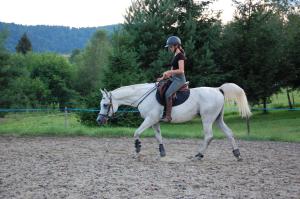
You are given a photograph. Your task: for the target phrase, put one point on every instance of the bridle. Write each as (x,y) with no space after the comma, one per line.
(110,106)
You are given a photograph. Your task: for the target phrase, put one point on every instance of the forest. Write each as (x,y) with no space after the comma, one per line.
(259,50)
(58,39)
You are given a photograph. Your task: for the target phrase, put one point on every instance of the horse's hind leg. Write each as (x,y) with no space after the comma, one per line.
(208,136)
(158,137)
(228,132)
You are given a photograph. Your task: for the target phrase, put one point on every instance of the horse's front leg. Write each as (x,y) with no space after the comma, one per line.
(148,122)
(158,137)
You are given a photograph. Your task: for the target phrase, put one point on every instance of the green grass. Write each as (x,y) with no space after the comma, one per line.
(281,101)
(275,126)
(42,124)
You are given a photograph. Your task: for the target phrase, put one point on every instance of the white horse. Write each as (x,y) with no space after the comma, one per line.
(205,101)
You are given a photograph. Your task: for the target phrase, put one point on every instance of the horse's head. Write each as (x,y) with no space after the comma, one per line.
(108,107)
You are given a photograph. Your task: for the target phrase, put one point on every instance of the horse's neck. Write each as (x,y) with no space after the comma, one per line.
(130,95)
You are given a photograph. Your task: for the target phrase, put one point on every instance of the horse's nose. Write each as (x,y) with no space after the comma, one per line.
(98,120)
(101,120)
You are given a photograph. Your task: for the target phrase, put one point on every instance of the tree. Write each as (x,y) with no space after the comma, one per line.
(4,60)
(252,50)
(138,50)
(24,45)
(18,89)
(25,92)
(45,38)
(91,63)
(36,79)
(56,73)
(293,50)
(74,55)
(285,7)
(151,22)
(122,69)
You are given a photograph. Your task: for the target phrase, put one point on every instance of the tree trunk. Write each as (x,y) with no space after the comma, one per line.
(289,98)
(265,105)
(248,126)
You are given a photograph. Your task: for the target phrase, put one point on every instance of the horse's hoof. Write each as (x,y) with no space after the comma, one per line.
(138,146)
(199,156)
(236,153)
(162,151)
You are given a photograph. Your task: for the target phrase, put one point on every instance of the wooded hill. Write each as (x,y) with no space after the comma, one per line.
(59,39)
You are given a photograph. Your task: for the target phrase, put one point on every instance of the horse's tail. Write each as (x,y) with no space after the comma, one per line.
(236,93)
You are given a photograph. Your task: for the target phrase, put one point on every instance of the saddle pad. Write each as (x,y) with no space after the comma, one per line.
(181,97)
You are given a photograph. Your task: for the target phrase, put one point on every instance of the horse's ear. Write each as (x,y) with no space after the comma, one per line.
(102,92)
(107,93)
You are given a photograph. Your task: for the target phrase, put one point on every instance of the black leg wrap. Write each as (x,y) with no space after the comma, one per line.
(199,156)
(162,150)
(236,153)
(137,145)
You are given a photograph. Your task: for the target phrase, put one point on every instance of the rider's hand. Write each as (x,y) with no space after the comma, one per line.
(167,74)
(159,79)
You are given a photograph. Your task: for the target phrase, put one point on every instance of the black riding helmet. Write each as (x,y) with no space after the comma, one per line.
(173,40)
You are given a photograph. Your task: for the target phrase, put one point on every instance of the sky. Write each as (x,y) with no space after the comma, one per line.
(77,13)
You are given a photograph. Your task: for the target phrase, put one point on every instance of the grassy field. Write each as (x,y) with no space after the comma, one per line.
(280,125)
(276,126)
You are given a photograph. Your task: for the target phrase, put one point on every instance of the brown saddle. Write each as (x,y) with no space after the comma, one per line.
(178,97)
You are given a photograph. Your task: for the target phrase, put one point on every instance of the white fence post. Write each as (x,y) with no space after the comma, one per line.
(66,117)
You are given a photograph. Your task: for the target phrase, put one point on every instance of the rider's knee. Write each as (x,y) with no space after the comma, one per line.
(168,94)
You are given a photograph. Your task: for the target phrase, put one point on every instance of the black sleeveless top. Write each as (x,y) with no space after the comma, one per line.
(176,58)
(180,78)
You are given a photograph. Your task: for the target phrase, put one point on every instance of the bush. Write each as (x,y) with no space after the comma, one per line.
(124,117)
(92,102)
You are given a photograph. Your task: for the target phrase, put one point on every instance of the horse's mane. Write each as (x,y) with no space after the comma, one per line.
(131,89)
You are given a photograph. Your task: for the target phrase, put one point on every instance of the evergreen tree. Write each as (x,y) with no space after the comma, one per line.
(151,22)
(24,45)
(252,50)
(122,68)
(293,50)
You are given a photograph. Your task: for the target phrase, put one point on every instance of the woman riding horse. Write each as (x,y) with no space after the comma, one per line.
(176,74)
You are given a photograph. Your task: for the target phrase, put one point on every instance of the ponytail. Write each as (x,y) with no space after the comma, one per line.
(181,50)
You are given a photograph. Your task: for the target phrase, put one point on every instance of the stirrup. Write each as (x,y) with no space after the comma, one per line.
(165,119)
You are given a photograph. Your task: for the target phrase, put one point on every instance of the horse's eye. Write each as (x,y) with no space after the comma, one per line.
(105,105)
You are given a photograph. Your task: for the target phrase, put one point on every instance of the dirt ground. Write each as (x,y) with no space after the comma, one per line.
(85,167)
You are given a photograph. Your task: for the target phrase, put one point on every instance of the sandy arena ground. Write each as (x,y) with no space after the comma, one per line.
(83,167)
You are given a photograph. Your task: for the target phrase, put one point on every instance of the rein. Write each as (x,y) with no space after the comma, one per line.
(140,100)
(143,97)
